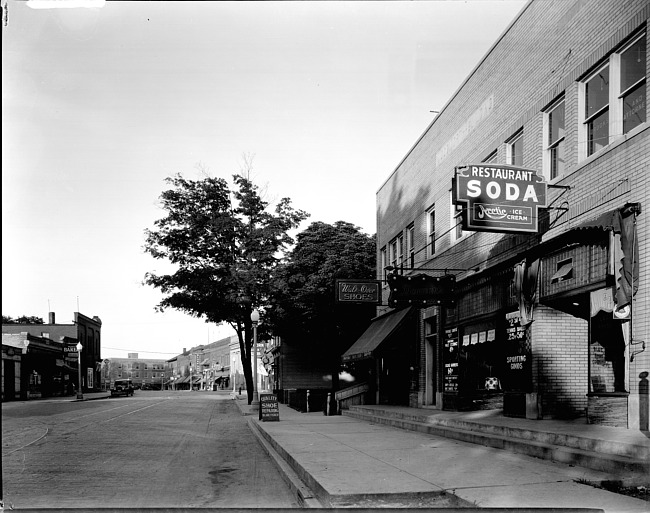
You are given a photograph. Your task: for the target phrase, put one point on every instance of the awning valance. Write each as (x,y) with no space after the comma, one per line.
(606,221)
(380,329)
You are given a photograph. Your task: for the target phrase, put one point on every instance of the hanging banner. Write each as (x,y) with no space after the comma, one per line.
(499,198)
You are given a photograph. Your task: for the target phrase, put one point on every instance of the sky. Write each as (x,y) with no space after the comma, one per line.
(100,105)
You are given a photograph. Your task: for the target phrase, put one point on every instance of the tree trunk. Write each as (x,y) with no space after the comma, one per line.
(245,348)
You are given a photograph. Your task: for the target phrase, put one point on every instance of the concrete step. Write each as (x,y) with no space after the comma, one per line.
(615,458)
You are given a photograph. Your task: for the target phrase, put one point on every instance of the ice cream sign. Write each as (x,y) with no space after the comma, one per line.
(499,198)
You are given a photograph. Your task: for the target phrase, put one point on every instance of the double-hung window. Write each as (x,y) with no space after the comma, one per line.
(431,231)
(410,246)
(384,263)
(395,249)
(597,110)
(633,84)
(613,97)
(554,153)
(455,219)
(515,149)
(491,158)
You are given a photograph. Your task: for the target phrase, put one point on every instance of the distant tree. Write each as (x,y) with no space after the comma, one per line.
(23,319)
(225,246)
(303,303)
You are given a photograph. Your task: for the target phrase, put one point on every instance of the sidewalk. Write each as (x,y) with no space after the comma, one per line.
(87,396)
(340,461)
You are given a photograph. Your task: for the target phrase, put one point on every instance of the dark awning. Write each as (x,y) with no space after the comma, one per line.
(606,221)
(380,329)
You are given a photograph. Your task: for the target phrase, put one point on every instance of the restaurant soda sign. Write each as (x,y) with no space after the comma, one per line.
(499,198)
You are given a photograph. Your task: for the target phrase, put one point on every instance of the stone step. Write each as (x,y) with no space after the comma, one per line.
(592,443)
(631,469)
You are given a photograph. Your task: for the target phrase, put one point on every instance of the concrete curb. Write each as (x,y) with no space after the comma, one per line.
(301,491)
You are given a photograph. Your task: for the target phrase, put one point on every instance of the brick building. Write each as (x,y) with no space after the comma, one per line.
(549,317)
(146,373)
(204,367)
(83,329)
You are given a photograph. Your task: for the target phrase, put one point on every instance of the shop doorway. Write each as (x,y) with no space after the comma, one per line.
(431,374)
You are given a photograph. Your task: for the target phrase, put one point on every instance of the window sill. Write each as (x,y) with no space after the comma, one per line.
(608,394)
(621,139)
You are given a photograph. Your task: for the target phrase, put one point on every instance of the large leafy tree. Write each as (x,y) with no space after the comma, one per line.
(223,245)
(304,309)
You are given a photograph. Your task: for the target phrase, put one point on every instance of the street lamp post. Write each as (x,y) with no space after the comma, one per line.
(255,403)
(80,394)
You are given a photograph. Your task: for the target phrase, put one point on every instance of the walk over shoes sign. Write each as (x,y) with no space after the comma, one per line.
(499,198)
(358,291)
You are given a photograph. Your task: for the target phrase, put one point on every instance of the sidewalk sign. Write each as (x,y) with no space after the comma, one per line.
(269,409)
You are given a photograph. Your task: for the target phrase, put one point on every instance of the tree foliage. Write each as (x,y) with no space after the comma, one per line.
(23,319)
(303,303)
(224,246)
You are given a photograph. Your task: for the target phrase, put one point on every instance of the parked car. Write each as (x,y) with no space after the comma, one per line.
(122,387)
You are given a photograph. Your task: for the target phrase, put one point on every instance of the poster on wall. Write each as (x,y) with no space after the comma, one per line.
(518,361)
(450,360)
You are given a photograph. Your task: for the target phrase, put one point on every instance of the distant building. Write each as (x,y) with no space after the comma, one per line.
(204,367)
(82,329)
(146,373)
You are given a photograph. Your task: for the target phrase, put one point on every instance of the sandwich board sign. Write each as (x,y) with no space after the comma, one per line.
(269,409)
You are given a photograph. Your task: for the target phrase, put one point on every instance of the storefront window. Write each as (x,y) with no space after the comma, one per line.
(607,346)
(482,357)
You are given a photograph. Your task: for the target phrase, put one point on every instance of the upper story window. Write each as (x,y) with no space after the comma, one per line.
(633,84)
(554,148)
(597,110)
(410,246)
(455,220)
(395,249)
(491,158)
(515,149)
(613,97)
(384,263)
(431,231)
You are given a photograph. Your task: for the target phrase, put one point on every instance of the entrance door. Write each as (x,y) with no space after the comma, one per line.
(431,370)
(9,373)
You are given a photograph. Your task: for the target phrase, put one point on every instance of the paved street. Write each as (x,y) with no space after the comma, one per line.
(156,449)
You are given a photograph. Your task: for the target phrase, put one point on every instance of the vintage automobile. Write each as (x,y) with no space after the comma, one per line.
(122,387)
